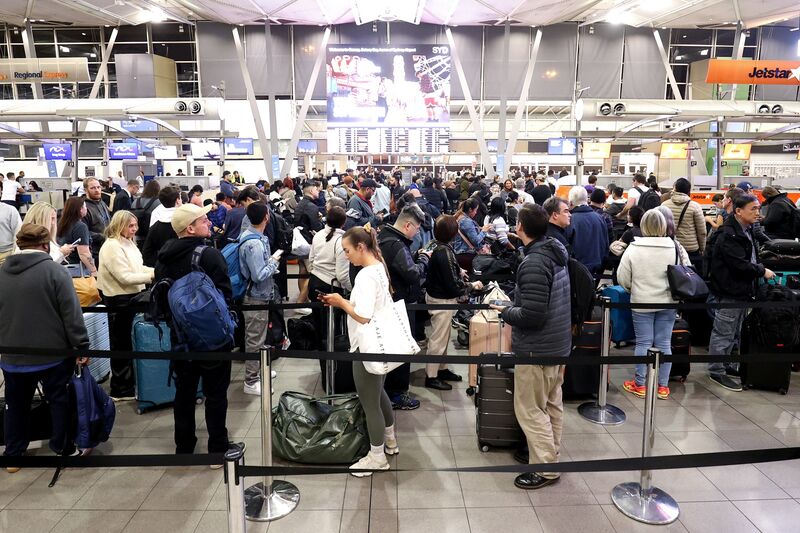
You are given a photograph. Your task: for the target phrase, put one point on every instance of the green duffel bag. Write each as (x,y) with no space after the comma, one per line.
(312,431)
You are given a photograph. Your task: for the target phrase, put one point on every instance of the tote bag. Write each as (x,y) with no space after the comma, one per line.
(300,246)
(387,333)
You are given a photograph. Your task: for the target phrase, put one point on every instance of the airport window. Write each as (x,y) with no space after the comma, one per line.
(690,36)
(81,35)
(187,71)
(172,32)
(128,34)
(18,50)
(3,51)
(175,51)
(681,89)
(188,89)
(43,36)
(129,48)
(90,51)
(6,92)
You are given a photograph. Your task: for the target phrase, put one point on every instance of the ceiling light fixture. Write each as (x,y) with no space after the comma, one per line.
(156,15)
(64,49)
(704,52)
(387,10)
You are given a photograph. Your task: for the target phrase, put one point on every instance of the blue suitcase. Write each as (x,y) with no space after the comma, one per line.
(621,319)
(154,388)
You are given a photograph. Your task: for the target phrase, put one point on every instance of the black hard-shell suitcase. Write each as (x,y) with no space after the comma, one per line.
(700,325)
(681,345)
(495,422)
(583,381)
(764,375)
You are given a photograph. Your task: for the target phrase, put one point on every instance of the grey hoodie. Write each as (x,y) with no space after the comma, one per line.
(40,309)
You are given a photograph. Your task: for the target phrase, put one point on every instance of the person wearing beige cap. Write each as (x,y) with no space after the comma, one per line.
(36,290)
(779,222)
(193,228)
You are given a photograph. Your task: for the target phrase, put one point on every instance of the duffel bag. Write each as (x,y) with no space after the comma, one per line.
(312,431)
(490,268)
(781,247)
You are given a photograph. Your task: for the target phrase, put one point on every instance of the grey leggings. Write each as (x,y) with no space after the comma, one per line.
(375,402)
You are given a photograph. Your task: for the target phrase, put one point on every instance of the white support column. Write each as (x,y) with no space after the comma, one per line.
(522,104)
(665,60)
(502,164)
(301,117)
(102,74)
(251,98)
(473,115)
(273,114)
(738,49)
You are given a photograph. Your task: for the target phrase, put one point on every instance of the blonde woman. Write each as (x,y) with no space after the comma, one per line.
(122,275)
(44,214)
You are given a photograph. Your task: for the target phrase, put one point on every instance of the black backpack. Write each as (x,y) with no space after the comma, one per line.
(283,233)
(582,291)
(649,199)
(142,214)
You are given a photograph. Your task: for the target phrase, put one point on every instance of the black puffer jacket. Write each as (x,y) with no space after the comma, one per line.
(540,317)
(406,275)
(306,215)
(733,274)
(779,220)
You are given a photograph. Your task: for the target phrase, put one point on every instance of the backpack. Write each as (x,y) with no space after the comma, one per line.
(649,199)
(143,214)
(200,316)
(95,410)
(230,252)
(776,325)
(302,333)
(582,291)
(283,233)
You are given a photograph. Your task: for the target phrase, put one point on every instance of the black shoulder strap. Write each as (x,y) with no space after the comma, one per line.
(683,212)
(196,254)
(149,204)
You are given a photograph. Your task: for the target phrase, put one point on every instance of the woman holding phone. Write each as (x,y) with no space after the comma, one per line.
(73,231)
(370,293)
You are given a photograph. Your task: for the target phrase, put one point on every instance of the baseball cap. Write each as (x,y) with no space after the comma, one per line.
(746,186)
(369,183)
(183,216)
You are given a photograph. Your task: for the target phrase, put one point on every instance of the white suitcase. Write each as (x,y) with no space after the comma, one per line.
(97,327)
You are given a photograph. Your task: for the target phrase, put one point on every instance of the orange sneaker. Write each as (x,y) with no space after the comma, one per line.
(663,393)
(633,388)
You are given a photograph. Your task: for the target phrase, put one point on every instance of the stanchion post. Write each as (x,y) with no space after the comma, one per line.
(641,501)
(270,499)
(601,412)
(236,519)
(330,364)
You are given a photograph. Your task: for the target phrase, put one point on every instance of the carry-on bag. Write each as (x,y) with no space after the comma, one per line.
(40,424)
(681,345)
(583,381)
(97,328)
(496,423)
(621,319)
(486,337)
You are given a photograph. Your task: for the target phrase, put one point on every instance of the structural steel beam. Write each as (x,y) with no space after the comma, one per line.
(523,99)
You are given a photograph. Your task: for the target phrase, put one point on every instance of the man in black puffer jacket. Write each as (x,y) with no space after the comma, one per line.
(540,318)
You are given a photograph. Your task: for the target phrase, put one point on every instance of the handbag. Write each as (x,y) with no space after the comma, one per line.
(684,282)
(495,293)
(311,430)
(618,247)
(387,332)
(85,285)
(300,246)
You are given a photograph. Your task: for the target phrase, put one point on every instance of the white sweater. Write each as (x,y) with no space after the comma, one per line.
(642,270)
(122,269)
(327,258)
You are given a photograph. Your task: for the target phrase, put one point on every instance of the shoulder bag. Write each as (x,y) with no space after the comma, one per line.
(680,218)
(388,332)
(85,285)
(684,282)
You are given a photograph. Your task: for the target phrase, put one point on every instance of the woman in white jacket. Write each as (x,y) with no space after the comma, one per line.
(121,276)
(643,272)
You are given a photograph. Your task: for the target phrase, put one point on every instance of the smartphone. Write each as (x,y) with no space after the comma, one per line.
(76,242)
(319,293)
(501,303)
(277,254)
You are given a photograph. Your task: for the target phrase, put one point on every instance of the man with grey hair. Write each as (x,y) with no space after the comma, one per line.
(524,197)
(589,237)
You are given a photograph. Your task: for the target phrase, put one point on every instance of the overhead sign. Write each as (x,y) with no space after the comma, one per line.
(239,146)
(596,150)
(307,147)
(50,70)
(559,146)
(761,72)
(736,151)
(138,125)
(674,150)
(57,151)
(123,151)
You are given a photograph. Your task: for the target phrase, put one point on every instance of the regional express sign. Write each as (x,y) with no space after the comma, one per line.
(70,70)
(747,72)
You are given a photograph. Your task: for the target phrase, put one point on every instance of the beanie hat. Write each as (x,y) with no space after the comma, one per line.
(32,235)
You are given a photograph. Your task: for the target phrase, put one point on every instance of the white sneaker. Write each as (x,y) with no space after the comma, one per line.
(390,446)
(273,374)
(370,462)
(254,389)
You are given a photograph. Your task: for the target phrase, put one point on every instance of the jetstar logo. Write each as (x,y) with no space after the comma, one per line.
(762,72)
(775,73)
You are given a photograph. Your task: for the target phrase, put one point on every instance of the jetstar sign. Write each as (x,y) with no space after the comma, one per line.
(763,72)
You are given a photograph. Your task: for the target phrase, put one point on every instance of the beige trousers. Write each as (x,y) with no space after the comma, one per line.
(540,411)
(439,338)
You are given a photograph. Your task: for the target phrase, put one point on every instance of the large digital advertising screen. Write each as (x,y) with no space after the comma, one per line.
(388,87)
(561,146)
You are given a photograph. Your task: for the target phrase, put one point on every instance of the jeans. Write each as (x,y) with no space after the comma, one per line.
(20,387)
(653,330)
(725,335)
(216,378)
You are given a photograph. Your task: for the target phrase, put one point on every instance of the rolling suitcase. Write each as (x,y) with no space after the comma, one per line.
(681,345)
(583,381)
(621,319)
(154,388)
(485,337)
(700,325)
(97,328)
(770,376)
(495,422)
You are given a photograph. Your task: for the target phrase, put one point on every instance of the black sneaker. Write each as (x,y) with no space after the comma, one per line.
(522,456)
(438,384)
(726,383)
(404,402)
(448,375)
(730,371)
(533,481)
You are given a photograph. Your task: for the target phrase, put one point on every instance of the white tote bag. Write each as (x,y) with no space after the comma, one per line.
(388,332)
(300,246)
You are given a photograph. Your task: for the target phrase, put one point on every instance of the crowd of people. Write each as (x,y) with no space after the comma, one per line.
(372,238)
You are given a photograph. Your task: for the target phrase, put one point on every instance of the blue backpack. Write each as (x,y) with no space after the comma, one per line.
(200,315)
(231,254)
(95,410)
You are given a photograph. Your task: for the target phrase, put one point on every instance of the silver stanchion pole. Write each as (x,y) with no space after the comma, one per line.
(601,412)
(641,501)
(270,499)
(233,459)
(330,364)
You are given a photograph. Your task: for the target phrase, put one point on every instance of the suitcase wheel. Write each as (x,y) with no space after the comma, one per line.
(784,392)
(470,391)
(462,338)
(484,448)
(745,386)
(139,411)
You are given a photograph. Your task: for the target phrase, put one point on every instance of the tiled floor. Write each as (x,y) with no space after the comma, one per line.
(697,418)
